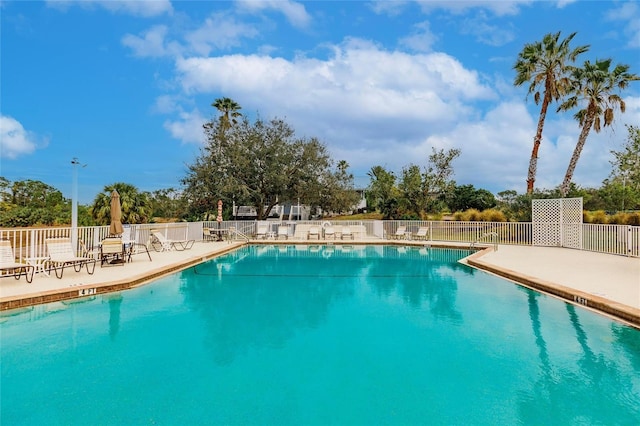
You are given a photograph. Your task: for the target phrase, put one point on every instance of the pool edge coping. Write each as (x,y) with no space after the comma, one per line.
(619,311)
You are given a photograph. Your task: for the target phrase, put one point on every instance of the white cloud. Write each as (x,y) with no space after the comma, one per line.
(421,38)
(484,32)
(295,12)
(219,31)
(151,44)
(628,13)
(14,139)
(143,8)
(188,127)
(499,8)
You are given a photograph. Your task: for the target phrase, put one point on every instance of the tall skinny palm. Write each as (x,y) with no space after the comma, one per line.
(594,85)
(545,66)
(229,109)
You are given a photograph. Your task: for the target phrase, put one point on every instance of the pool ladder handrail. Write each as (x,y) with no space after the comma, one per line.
(233,230)
(494,240)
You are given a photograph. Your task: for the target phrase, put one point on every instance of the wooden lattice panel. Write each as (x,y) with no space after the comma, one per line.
(572,223)
(557,222)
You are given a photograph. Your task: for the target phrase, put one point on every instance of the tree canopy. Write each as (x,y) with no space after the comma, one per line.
(262,164)
(135,205)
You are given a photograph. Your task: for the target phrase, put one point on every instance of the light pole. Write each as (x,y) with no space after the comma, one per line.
(74,203)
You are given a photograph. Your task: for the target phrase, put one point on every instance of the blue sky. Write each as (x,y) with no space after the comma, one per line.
(125,86)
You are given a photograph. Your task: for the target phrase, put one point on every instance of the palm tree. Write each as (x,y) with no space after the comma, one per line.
(593,85)
(229,109)
(136,207)
(545,65)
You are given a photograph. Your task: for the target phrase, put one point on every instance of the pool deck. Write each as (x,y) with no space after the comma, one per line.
(606,283)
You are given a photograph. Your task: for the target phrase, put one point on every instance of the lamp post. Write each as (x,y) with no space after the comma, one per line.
(74,203)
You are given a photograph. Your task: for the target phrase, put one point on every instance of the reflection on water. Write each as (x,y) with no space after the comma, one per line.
(565,393)
(345,334)
(260,296)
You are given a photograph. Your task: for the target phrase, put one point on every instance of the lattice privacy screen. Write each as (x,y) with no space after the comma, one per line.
(557,222)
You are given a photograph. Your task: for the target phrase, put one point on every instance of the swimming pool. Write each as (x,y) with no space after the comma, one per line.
(320,335)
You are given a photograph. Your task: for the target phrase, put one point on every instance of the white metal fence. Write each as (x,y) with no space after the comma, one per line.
(614,239)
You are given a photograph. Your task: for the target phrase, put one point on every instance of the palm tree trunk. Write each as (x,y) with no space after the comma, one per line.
(533,162)
(586,127)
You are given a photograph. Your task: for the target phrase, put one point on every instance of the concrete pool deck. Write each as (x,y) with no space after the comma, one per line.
(607,283)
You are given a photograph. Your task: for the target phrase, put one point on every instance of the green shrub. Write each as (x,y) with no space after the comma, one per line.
(599,216)
(618,219)
(493,215)
(633,219)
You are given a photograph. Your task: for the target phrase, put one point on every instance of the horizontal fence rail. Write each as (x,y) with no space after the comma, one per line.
(29,244)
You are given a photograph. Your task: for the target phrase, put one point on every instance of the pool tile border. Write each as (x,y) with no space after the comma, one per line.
(87,290)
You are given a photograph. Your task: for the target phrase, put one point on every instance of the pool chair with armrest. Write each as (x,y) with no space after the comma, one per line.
(329,232)
(346,233)
(131,245)
(262,231)
(160,243)
(112,251)
(314,232)
(9,266)
(283,231)
(62,254)
(421,234)
(400,233)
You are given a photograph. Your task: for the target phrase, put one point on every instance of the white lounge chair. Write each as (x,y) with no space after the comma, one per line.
(9,265)
(314,232)
(262,232)
(131,245)
(62,254)
(283,231)
(400,233)
(346,233)
(329,232)
(421,234)
(160,243)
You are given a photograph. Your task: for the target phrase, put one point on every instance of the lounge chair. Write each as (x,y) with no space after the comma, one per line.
(329,231)
(112,252)
(131,246)
(62,254)
(9,265)
(160,243)
(346,232)
(314,232)
(400,233)
(421,234)
(283,231)
(262,232)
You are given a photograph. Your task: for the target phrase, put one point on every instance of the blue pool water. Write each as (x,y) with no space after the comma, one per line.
(319,335)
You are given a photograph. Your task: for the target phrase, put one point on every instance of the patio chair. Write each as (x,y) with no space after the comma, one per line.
(160,243)
(283,231)
(9,265)
(131,246)
(314,231)
(112,252)
(400,233)
(262,232)
(421,234)
(62,254)
(346,232)
(329,231)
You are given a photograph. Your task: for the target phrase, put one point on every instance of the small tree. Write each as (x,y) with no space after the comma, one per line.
(437,179)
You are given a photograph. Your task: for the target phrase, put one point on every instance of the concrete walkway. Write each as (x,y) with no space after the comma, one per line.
(604,282)
(607,283)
